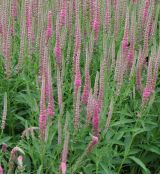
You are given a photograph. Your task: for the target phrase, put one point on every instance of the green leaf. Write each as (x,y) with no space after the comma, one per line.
(140,163)
(125,121)
(151,148)
(104,168)
(4,140)
(39,171)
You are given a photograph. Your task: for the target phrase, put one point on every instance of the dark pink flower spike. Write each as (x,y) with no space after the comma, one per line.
(95,119)
(57,49)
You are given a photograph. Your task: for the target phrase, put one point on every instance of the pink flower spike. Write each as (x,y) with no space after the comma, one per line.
(145,11)
(134,1)
(146,94)
(115,3)
(57,50)
(126,34)
(63,167)
(42,115)
(96,28)
(62,15)
(58,54)
(95,119)
(130,57)
(77,81)
(14,8)
(1,170)
(107,15)
(94,140)
(49,27)
(50,109)
(4,147)
(92,144)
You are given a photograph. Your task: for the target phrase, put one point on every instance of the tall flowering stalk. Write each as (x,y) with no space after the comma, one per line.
(95,119)
(6,52)
(59,86)
(77,46)
(92,10)
(96,22)
(132,42)
(40,23)
(1,170)
(146,36)
(134,1)
(107,16)
(63,14)
(96,86)
(4,23)
(125,39)
(28,11)
(141,59)
(6,38)
(77,80)
(148,88)
(109,115)
(57,49)
(86,89)
(70,17)
(90,108)
(145,11)
(113,55)
(14,15)
(45,70)
(151,76)
(50,108)
(155,71)
(101,88)
(77,111)
(63,166)
(116,24)
(85,17)
(49,31)
(43,114)
(119,72)
(138,71)
(22,40)
(4,112)
(140,29)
